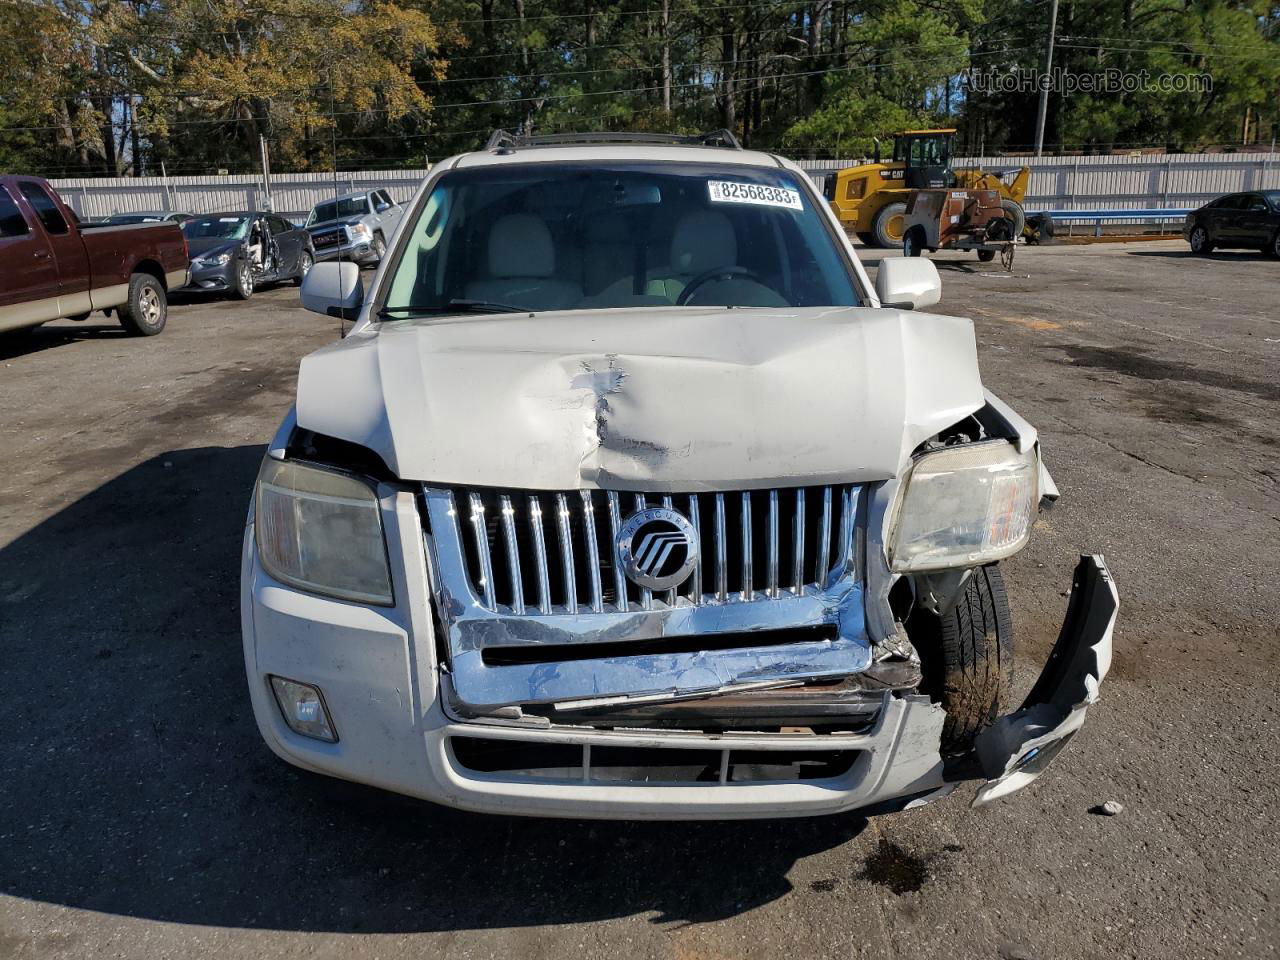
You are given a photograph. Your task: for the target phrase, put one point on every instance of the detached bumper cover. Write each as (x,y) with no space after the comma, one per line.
(1018,747)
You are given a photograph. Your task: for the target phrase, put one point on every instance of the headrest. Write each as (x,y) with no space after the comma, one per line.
(702,240)
(520,246)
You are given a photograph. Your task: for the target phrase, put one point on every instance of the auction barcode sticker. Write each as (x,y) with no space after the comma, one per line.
(724,191)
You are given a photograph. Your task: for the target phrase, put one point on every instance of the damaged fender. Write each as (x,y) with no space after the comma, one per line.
(1018,747)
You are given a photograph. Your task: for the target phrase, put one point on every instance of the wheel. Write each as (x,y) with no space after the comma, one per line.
(889,225)
(1274,249)
(986,256)
(379,247)
(966,657)
(304,267)
(866,238)
(1200,242)
(145,312)
(1016,216)
(243,289)
(912,242)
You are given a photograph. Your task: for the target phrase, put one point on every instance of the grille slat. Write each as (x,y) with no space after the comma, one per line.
(540,554)
(480,531)
(824,539)
(770,545)
(619,578)
(566,552)
(593,551)
(797,552)
(516,580)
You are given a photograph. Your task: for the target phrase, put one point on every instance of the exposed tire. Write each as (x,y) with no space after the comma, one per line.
(305,263)
(889,226)
(1016,216)
(379,247)
(967,657)
(244,284)
(986,256)
(1200,242)
(913,242)
(145,312)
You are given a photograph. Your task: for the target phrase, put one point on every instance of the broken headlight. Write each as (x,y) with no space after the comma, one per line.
(321,530)
(964,506)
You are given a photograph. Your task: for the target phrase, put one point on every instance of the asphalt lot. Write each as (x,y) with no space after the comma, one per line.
(141,816)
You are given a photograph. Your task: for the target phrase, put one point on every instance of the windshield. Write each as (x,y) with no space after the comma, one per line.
(219,228)
(589,236)
(338,209)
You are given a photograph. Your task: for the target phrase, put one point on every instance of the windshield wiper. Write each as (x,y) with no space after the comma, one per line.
(410,311)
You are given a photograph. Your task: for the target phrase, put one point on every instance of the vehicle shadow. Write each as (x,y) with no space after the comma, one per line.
(20,343)
(1228,255)
(135,782)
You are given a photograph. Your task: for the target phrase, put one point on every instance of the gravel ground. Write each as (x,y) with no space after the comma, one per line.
(142,817)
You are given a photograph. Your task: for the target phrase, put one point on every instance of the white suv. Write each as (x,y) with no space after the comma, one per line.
(628,495)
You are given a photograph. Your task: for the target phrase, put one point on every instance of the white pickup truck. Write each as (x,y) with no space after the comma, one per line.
(629,496)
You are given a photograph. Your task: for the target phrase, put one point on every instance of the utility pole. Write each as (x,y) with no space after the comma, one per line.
(1045,79)
(266,169)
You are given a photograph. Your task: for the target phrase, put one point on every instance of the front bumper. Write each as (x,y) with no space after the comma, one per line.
(378,670)
(217,279)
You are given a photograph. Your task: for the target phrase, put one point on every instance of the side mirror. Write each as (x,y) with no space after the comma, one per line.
(908,283)
(334,289)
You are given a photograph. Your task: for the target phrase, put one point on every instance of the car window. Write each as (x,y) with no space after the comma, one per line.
(48,212)
(590,236)
(1273,198)
(1233,202)
(278,225)
(381,202)
(1254,201)
(12,223)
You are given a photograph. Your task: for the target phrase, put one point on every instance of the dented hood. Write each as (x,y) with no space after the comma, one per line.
(655,399)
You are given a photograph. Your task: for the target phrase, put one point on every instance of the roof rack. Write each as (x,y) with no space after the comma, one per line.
(502,140)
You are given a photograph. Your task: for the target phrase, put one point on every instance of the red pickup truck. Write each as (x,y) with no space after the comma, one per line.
(52,266)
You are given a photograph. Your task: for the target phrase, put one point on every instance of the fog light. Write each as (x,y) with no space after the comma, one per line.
(303,709)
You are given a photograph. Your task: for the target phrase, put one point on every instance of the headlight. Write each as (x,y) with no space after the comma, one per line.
(359,231)
(321,530)
(965,506)
(220,260)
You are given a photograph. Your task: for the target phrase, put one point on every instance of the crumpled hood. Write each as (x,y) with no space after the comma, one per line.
(660,399)
(211,246)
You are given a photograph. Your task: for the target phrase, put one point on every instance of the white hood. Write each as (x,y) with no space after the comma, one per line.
(654,399)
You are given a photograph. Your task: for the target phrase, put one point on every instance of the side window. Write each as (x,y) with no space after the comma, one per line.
(12,223)
(278,225)
(48,212)
(381,201)
(1254,201)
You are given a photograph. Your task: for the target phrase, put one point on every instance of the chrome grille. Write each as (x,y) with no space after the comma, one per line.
(539,553)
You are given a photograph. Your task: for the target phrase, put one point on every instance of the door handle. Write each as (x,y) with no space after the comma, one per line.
(41,254)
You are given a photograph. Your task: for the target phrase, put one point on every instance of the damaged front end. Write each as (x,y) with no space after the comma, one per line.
(611,640)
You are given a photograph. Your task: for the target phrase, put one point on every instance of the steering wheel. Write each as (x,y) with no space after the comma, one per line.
(716,273)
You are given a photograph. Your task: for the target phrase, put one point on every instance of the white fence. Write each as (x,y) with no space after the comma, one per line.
(1079,183)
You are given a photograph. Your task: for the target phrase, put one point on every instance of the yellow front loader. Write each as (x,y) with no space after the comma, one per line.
(871,199)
